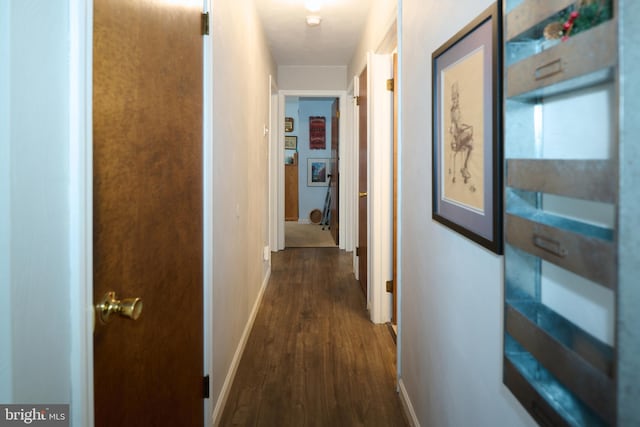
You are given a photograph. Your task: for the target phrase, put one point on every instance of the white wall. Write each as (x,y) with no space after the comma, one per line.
(451,288)
(38,272)
(382,16)
(293,77)
(240,110)
(6,383)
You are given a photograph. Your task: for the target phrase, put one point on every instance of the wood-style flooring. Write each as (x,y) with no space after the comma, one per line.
(313,357)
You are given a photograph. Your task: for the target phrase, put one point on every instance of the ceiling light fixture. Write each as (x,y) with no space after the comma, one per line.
(313,5)
(313,20)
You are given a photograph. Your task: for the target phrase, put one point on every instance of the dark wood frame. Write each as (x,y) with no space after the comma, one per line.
(483,228)
(288,124)
(290,142)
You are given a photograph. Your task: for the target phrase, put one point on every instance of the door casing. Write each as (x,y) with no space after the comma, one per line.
(335,171)
(362,167)
(277,173)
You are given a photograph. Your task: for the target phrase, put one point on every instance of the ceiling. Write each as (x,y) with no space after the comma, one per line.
(293,42)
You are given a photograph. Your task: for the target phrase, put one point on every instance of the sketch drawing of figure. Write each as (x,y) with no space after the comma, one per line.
(462,136)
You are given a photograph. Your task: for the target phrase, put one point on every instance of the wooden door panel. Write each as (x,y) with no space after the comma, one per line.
(362,182)
(147,116)
(335,172)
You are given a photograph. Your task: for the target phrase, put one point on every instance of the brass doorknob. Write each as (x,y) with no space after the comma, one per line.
(109,305)
(362,194)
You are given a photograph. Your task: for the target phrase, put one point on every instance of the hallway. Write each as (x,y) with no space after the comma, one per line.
(313,356)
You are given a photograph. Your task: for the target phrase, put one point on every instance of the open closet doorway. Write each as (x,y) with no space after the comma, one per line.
(312,139)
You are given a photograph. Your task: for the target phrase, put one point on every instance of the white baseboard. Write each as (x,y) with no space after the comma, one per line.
(228,382)
(304,221)
(407,406)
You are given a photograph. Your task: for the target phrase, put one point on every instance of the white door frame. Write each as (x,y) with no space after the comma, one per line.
(379,186)
(81,210)
(207,212)
(354,119)
(277,180)
(274,162)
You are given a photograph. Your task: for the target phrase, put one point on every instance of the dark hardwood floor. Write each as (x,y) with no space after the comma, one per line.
(313,357)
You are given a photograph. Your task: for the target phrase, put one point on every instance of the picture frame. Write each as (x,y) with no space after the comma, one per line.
(290,142)
(288,124)
(318,171)
(467,131)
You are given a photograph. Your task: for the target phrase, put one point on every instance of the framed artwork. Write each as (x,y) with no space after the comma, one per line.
(317,133)
(466,123)
(290,142)
(288,124)
(318,171)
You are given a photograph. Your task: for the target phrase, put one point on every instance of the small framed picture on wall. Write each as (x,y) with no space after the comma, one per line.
(288,124)
(318,171)
(290,142)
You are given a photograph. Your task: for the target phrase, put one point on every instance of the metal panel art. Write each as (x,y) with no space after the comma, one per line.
(528,15)
(582,179)
(565,61)
(562,261)
(581,253)
(591,385)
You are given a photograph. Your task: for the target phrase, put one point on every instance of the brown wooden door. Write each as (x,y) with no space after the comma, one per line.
(394,314)
(362,182)
(147,117)
(335,172)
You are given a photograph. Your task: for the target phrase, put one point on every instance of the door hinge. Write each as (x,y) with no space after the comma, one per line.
(390,286)
(204,23)
(337,114)
(205,386)
(357,251)
(390,85)
(357,99)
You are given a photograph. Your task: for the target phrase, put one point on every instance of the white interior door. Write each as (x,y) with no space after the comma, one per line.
(380,186)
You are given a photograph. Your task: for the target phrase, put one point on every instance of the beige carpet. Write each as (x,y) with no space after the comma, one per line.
(306,236)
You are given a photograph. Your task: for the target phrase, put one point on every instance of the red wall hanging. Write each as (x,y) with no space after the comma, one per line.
(317,139)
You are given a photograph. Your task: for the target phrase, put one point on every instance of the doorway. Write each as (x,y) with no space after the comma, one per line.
(311,144)
(375,190)
(307,160)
